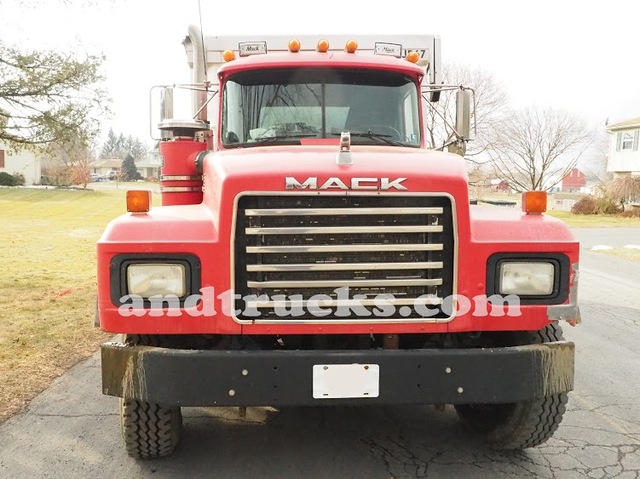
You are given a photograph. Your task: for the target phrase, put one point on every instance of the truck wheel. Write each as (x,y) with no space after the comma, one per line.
(148,429)
(518,425)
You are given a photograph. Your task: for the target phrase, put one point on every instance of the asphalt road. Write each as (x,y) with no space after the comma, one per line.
(71,430)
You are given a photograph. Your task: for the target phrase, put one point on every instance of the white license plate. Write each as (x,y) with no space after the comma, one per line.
(332,381)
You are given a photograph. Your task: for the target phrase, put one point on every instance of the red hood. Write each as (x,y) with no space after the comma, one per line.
(265,169)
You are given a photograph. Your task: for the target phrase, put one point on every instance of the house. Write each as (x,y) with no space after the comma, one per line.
(574,182)
(106,166)
(499,185)
(624,151)
(149,167)
(25,162)
(562,201)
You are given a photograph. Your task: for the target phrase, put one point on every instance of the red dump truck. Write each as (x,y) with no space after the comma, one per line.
(312,250)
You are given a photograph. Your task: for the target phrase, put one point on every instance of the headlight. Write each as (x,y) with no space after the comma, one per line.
(150,279)
(536,278)
(527,278)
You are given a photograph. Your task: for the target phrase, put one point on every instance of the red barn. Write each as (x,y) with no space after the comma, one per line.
(574,181)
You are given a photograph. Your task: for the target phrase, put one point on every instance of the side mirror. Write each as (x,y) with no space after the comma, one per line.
(166,109)
(463,114)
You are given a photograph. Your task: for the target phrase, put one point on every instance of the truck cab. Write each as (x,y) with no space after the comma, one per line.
(311,249)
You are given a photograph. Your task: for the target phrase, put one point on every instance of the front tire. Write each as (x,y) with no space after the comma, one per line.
(523,424)
(148,429)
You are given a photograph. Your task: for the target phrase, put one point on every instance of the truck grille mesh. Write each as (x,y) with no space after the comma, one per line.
(294,247)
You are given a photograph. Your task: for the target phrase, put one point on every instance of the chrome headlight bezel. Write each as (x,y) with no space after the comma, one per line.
(559,291)
(120,264)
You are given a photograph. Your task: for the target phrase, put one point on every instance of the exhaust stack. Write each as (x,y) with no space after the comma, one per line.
(183,140)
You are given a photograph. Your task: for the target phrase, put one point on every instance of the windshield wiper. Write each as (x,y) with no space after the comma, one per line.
(291,139)
(375,136)
(276,138)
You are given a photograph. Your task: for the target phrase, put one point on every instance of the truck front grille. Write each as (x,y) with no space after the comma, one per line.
(343,258)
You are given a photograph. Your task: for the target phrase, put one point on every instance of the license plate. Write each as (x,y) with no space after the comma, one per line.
(332,381)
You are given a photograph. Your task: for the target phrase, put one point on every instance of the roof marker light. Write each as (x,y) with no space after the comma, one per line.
(323,46)
(413,56)
(138,201)
(228,55)
(534,202)
(351,46)
(294,45)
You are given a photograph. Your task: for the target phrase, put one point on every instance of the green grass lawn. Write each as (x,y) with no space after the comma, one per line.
(48,284)
(631,254)
(593,221)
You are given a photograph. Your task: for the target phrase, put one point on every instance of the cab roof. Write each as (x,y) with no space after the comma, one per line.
(318,59)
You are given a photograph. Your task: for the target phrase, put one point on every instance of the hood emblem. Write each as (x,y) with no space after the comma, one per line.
(334,183)
(344,155)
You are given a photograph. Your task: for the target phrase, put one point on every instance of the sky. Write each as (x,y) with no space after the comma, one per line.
(578,56)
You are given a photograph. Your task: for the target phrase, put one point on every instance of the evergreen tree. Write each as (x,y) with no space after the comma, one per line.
(128,169)
(110,149)
(119,146)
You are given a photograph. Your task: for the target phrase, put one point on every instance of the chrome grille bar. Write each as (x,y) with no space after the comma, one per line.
(342,211)
(344,266)
(336,303)
(344,248)
(339,283)
(320,230)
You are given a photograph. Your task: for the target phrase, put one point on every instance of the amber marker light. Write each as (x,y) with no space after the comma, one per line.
(351,46)
(138,201)
(323,46)
(294,45)
(413,57)
(534,202)
(228,55)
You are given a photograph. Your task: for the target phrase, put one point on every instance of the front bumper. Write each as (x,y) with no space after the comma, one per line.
(284,378)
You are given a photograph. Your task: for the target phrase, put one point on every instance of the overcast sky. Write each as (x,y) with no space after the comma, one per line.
(572,55)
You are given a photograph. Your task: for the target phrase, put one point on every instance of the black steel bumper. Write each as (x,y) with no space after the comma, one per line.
(272,378)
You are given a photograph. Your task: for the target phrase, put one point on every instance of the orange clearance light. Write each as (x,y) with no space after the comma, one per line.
(228,55)
(351,46)
(534,202)
(413,57)
(138,201)
(294,46)
(323,46)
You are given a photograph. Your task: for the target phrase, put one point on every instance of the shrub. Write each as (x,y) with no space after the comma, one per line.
(606,205)
(6,179)
(631,213)
(19,179)
(584,206)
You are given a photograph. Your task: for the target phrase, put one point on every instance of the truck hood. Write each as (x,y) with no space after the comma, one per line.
(374,168)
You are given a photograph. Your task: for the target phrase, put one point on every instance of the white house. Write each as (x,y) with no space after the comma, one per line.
(24,162)
(106,166)
(148,167)
(624,151)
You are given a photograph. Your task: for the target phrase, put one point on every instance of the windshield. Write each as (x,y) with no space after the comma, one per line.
(283,106)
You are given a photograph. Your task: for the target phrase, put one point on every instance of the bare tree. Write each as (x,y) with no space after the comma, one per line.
(489,112)
(536,148)
(68,163)
(594,161)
